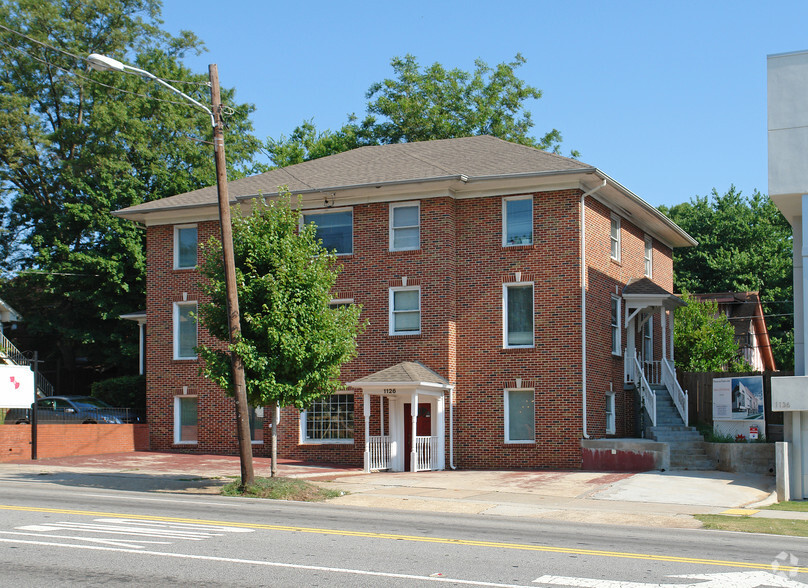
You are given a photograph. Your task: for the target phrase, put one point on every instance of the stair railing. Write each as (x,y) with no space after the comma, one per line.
(17,357)
(646,393)
(679,396)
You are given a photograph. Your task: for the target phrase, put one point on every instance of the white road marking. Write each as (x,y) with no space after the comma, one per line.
(130,527)
(254,562)
(720,580)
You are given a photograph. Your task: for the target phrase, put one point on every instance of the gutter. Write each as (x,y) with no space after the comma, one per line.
(583,300)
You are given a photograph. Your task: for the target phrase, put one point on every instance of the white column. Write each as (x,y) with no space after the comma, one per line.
(141,348)
(367,431)
(800,244)
(663,320)
(631,349)
(414,414)
(670,332)
(381,414)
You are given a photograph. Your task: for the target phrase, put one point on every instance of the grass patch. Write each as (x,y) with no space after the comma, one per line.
(279,488)
(755,525)
(793,505)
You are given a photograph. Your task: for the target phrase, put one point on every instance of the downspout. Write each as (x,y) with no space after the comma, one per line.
(583,300)
(451,430)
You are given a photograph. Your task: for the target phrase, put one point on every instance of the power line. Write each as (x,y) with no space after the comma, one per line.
(80,58)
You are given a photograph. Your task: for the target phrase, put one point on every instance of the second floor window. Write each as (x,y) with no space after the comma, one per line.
(615,237)
(405,226)
(405,310)
(185,332)
(616,325)
(649,256)
(185,241)
(334,229)
(518,315)
(517,220)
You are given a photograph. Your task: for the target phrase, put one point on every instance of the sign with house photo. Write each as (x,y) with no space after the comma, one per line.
(738,407)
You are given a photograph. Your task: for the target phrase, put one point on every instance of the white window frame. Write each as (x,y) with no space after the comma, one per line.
(304,427)
(176,328)
(256,410)
(337,302)
(505,201)
(648,340)
(614,238)
(303,213)
(178,420)
(616,341)
(391,312)
(506,411)
(177,229)
(649,256)
(392,229)
(611,416)
(505,287)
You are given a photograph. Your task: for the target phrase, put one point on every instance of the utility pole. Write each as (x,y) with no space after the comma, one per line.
(231,291)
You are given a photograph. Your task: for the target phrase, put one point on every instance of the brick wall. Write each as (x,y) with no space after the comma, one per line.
(69,440)
(460,268)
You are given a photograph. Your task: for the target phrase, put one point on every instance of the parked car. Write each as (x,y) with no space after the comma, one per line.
(72,409)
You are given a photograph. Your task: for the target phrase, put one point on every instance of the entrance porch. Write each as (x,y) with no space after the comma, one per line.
(412,419)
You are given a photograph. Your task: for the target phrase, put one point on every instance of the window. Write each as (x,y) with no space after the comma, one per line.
(517,220)
(615,237)
(340,302)
(185,332)
(518,315)
(329,420)
(610,422)
(648,340)
(185,240)
(405,229)
(649,256)
(186,414)
(257,424)
(405,310)
(520,416)
(616,325)
(334,228)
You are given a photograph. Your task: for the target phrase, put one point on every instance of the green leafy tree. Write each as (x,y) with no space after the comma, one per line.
(422,104)
(76,145)
(744,245)
(293,343)
(704,339)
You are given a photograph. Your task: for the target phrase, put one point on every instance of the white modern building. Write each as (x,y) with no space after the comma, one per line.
(788,188)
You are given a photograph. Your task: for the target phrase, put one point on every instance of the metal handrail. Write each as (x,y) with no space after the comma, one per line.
(679,396)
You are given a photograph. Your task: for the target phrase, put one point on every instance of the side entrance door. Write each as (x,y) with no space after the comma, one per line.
(423,428)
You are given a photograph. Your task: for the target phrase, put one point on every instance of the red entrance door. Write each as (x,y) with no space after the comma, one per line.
(423,428)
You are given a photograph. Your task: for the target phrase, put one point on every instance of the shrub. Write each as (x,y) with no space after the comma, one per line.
(124,392)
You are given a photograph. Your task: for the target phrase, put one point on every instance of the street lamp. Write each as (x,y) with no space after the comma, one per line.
(104,63)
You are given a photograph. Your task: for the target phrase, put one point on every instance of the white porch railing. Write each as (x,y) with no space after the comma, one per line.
(426,449)
(653,372)
(380,450)
(679,396)
(637,376)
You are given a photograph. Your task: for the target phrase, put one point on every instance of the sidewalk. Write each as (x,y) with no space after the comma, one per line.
(667,499)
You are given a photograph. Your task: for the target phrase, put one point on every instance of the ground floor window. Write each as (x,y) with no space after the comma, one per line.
(186,419)
(520,416)
(257,424)
(610,421)
(329,420)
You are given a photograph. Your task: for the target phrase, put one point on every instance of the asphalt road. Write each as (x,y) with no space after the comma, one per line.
(56,534)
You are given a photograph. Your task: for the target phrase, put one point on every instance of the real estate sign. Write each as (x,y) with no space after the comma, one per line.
(16,386)
(738,406)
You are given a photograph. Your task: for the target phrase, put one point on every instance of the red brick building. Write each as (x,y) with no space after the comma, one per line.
(494,279)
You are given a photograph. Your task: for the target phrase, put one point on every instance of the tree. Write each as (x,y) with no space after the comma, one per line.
(744,245)
(704,339)
(423,104)
(292,342)
(76,145)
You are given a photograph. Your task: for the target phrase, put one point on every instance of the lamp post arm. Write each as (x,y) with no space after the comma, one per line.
(151,76)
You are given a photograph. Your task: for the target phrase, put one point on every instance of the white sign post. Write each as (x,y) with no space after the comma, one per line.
(16,386)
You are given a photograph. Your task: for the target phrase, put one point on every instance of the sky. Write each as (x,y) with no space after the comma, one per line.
(669,99)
